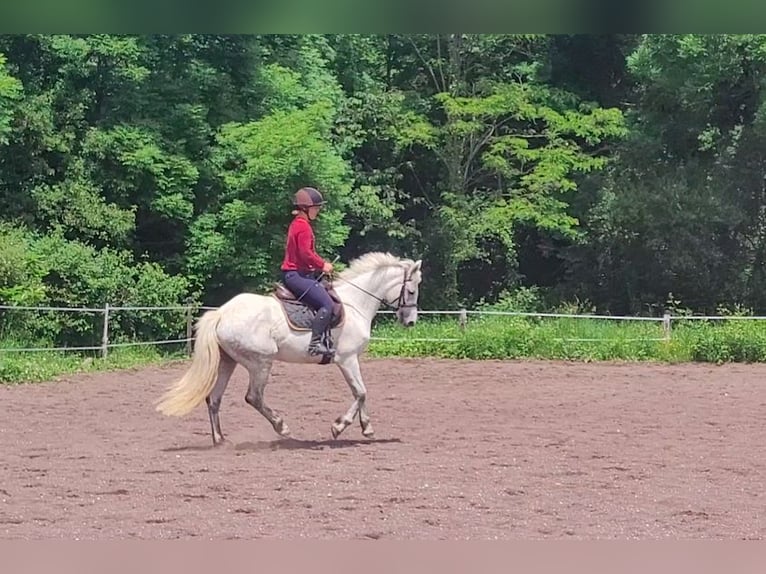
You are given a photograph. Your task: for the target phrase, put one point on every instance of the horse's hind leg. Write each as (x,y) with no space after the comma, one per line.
(353,375)
(259,376)
(225,369)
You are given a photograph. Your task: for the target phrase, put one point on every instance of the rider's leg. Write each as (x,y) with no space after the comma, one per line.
(323,303)
(313,294)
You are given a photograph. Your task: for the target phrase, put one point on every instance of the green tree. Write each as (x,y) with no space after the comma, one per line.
(509,148)
(683,210)
(10,93)
(257,165)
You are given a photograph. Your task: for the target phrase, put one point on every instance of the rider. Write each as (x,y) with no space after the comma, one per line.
(301,266)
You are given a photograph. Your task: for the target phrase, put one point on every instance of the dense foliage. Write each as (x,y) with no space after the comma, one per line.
(616,170)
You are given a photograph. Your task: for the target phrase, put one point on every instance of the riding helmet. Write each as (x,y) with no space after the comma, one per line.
(307,197)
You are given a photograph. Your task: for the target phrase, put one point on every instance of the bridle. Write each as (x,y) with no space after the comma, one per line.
(399,301)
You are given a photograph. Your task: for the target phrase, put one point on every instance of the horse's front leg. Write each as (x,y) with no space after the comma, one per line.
(349,366)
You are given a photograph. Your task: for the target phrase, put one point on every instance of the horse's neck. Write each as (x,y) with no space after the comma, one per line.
(375,283)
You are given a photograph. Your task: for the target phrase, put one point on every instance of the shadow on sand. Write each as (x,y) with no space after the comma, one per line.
(284,444)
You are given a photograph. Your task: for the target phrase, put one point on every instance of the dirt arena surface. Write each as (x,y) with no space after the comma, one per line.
(463,450)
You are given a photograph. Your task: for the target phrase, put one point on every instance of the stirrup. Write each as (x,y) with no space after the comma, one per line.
(319,348)
(319,345)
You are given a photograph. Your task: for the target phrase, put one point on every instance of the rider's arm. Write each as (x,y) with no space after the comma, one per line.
(304,240)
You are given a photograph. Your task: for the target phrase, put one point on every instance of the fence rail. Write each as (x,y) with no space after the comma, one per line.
(462,320)
(108,312)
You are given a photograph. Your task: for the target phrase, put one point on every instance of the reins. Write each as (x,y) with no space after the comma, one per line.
(399,301)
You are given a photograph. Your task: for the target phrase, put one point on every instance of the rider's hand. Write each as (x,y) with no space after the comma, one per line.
(327,267)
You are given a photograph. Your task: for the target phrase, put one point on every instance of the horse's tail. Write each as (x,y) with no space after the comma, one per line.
(198,381)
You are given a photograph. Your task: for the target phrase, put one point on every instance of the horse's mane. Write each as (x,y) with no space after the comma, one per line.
(370,262)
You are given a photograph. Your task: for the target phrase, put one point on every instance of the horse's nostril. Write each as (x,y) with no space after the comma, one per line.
(410,323)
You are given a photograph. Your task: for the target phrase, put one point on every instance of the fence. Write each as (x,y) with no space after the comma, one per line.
(108,311)
(463,314)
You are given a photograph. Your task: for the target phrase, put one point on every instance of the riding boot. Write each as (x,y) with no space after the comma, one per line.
(318,327)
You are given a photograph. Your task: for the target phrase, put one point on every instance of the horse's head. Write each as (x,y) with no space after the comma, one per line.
(386,279)
(406,303)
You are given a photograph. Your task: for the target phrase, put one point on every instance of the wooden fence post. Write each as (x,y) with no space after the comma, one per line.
(463,320)
(189,315)
(105,334)
(666,326)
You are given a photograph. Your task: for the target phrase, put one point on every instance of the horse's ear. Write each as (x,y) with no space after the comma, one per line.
(416,266)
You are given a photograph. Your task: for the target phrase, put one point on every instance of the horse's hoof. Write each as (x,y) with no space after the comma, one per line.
(335,432)
(282,429)
(368,433)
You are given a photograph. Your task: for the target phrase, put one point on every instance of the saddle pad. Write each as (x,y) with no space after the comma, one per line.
(300,316)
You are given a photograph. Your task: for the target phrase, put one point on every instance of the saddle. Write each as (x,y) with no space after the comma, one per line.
(299,315)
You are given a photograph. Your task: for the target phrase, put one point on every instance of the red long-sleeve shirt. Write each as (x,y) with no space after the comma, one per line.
(299,248)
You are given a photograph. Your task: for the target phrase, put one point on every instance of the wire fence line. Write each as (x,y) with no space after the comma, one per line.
(462,320)
(107,311)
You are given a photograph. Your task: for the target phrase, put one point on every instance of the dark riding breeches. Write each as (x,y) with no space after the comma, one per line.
(309,291)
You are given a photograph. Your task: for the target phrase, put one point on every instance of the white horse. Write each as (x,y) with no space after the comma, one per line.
(252,330)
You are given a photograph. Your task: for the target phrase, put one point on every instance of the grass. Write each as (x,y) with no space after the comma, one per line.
(21,367)
(508,337)
(484,337)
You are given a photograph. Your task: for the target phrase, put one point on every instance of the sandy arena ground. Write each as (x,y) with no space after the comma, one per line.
(463,450)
